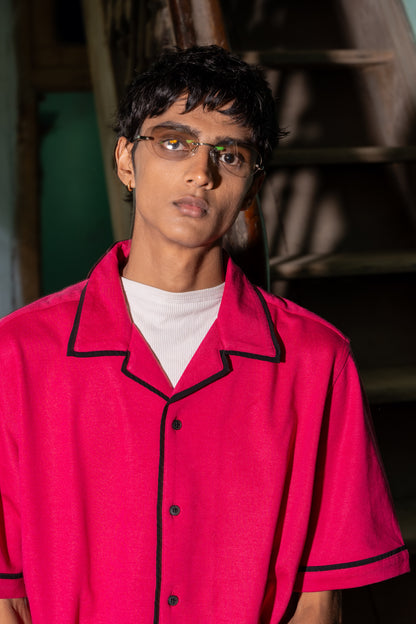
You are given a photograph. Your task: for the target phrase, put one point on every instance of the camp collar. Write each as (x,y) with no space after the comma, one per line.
(103,327)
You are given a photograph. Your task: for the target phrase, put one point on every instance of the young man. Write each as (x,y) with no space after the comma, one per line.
(175,444)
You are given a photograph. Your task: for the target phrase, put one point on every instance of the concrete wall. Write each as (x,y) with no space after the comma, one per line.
(9,286)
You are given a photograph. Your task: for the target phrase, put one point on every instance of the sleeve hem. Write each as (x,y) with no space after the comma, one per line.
(374,570)
(12,586)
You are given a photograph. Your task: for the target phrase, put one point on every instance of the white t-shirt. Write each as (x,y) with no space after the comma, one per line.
(173,324)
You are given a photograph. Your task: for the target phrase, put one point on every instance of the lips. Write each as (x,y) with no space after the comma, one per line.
(192,206)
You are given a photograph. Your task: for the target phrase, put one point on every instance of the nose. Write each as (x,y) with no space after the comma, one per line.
(201,170)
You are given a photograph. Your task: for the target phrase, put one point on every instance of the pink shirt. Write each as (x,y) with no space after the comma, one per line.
(127,500)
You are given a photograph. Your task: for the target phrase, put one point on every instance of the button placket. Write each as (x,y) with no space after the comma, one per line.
(173,509)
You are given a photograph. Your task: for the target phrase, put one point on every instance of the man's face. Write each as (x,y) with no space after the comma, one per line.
(191,202)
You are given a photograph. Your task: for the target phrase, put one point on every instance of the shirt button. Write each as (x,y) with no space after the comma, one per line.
(177,424)
(173,600)
(174,510)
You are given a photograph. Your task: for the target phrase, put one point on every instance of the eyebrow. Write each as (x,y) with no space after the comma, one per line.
(219,140)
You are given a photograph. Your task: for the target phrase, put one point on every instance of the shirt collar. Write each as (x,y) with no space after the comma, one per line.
(103,326)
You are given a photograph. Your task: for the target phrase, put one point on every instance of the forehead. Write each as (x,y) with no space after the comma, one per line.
(209,125)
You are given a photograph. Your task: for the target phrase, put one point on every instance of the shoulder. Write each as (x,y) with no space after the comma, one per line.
(43,319)
(303,331)
(291,313)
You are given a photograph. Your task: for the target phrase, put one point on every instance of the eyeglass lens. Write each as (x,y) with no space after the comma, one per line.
(236,158)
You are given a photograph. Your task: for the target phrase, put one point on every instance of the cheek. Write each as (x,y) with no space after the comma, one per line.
(238,197)
(157,174)
(233,209)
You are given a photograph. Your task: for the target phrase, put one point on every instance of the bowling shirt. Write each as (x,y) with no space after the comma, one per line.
(124,499)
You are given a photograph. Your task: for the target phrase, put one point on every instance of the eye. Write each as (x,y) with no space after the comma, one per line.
(230,157)
(174,144)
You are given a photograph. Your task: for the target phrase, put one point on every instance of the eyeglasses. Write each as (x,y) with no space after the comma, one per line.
(239,159)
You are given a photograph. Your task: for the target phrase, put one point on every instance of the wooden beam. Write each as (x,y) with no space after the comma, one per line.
(106,102)
(198,23)
(319,58)
(209,23)
(342,155)
(183,23)
(390,385)
(28,202)
(343,264)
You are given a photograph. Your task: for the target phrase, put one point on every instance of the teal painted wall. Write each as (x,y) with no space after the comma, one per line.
(410,6)
(75,215)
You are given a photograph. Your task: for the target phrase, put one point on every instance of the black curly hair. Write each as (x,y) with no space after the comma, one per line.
(209,76)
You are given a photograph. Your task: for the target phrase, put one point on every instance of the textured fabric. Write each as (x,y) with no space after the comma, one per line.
(172,323)
(125,500)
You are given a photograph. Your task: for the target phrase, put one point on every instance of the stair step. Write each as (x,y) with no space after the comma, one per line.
(373,154)
(390,385)
(342,265)
(318,58)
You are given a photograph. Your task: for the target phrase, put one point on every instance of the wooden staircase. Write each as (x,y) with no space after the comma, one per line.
(373,254)
(340,203)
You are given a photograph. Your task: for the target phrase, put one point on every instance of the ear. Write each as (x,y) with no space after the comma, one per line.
(124,161)
(253,190)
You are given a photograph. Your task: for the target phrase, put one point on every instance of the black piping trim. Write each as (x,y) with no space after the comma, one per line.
(275,358)
(138,380)
(11,576)
(159,515)
(86,354)
(71,344)
(225,353)
(353,564)
(177,397)
(180,395)
(205,382)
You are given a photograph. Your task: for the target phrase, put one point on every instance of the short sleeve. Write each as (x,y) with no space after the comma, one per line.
(11,575)
(354,538)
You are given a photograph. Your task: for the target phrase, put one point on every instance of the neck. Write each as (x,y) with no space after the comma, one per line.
(175,270)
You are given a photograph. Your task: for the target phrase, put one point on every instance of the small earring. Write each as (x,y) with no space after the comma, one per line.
(129,188)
